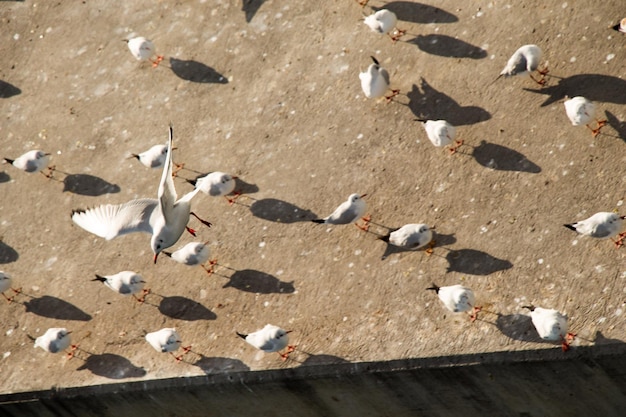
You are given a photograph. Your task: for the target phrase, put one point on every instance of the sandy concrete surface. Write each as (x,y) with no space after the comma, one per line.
(269,91)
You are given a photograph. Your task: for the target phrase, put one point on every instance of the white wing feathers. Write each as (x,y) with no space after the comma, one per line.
(110,221)
(167,192)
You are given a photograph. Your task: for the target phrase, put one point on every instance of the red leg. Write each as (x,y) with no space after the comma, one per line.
(540,81)
(210,269)
(204,222)
(398,34)
(9,299)
(393,94)
(474,315)
(190,230)
(157,61)
(232,199)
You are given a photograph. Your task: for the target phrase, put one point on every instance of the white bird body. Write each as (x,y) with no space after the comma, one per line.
(523,62)
(440,132)
(194,253)
(456,298)
(411,236)
(54,340)
(383,21)
(349,211)
(5,282)
(269,339)
(164,340)
(154,157)
(165,218)
(550,324)
(125,282)
(375,80)
(580,111)
(31,161)
(602,225)
(216,184)
(141,48)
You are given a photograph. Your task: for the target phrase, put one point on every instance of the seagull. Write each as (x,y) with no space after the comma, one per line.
(581,111)
(349,211)
(384,21)
(410,236)
(125,283)
(441,134)
(602,225)
(375,81)
(55,340)
(143,50)
(551,325)
(167,341)
(217,184)
(270,339)
(33,161)
(457,298)
(523,62)
(155,158)
(194,253)
(621,26)
(165,218)
(5,284)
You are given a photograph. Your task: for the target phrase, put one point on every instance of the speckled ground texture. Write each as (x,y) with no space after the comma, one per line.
(269,91)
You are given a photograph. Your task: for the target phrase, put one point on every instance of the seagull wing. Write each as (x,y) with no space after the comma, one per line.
(110,221)
(516,65)
(385,75)
(344,214)
(167,192)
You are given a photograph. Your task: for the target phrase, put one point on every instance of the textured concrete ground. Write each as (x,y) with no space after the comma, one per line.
(269,91)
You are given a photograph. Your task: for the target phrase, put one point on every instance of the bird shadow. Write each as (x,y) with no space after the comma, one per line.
(55,308)
(280,211)
(85,184)
(440,240)
(428,103)
(250,7)
(409,11)
(196,72)
(250,280)
(112,366)
(8,90)
(601,340)
(615,123)
(475,262)
(594,87)
(518,327)
(7,253)
(183,308)
(501,158)
(216,365)
(4,177)
(447,46)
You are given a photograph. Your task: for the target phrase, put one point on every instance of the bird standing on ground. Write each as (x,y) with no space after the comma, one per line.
(410,236)
(441,134)
(349,211)
(375,81)
(524,62)
(457,298)
(384,21)
(165,218)
(551,325)
(581,111)
(194,253)
(217,184)
(56,340)
(270,339)
(5,284)
(167,341)
(33,161)
(125,283)
(602,225)
(143,50)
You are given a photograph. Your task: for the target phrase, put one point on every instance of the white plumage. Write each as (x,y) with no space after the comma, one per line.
(410,236)
(216,184)
(602,225)
(154,157)
(524,62)
(269,339)
(5,284)
(167,340)
(383,21)
(31,161)
(54,340)
(581,111)
(349,211)
(193,253)
(143,50)
(551,325)
(457,298)
(375,81)
(124,283)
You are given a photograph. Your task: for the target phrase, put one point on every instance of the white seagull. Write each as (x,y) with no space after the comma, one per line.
(581,111)
(410,236)
(457,298)
(217,184)
(155,158)
(551,325)
(602,225)
(194,253)
(524,62)
(165,218)
(621,26)
(167,341)
(375,81)
(125,283)
(441,134)
(384,21)
(349,211)
(270,339)
(5,284)
(56,340)
(33,161)
(143,50)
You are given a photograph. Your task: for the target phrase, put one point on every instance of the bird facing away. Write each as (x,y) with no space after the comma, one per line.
(375,81)
(441,134)
(165,217)
(384,21)
(167,341)
(33,161)
(270,339)
(349,211)
(217,184)
(55,340)
(581,111)
(143,50)
(621,26)
(602,225)
(457,298)
(125,283)
(155,157)
(524,62)
(411,236)
(5,284)
(194,253)
(551,325)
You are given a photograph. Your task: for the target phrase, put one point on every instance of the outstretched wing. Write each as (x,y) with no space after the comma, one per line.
(167,192)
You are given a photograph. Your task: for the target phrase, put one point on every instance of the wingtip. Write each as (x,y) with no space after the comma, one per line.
(318,221)
(434,288)
(77,211)
(99,278)
(243,336)
(385,238)
(9,161)
(570,227)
